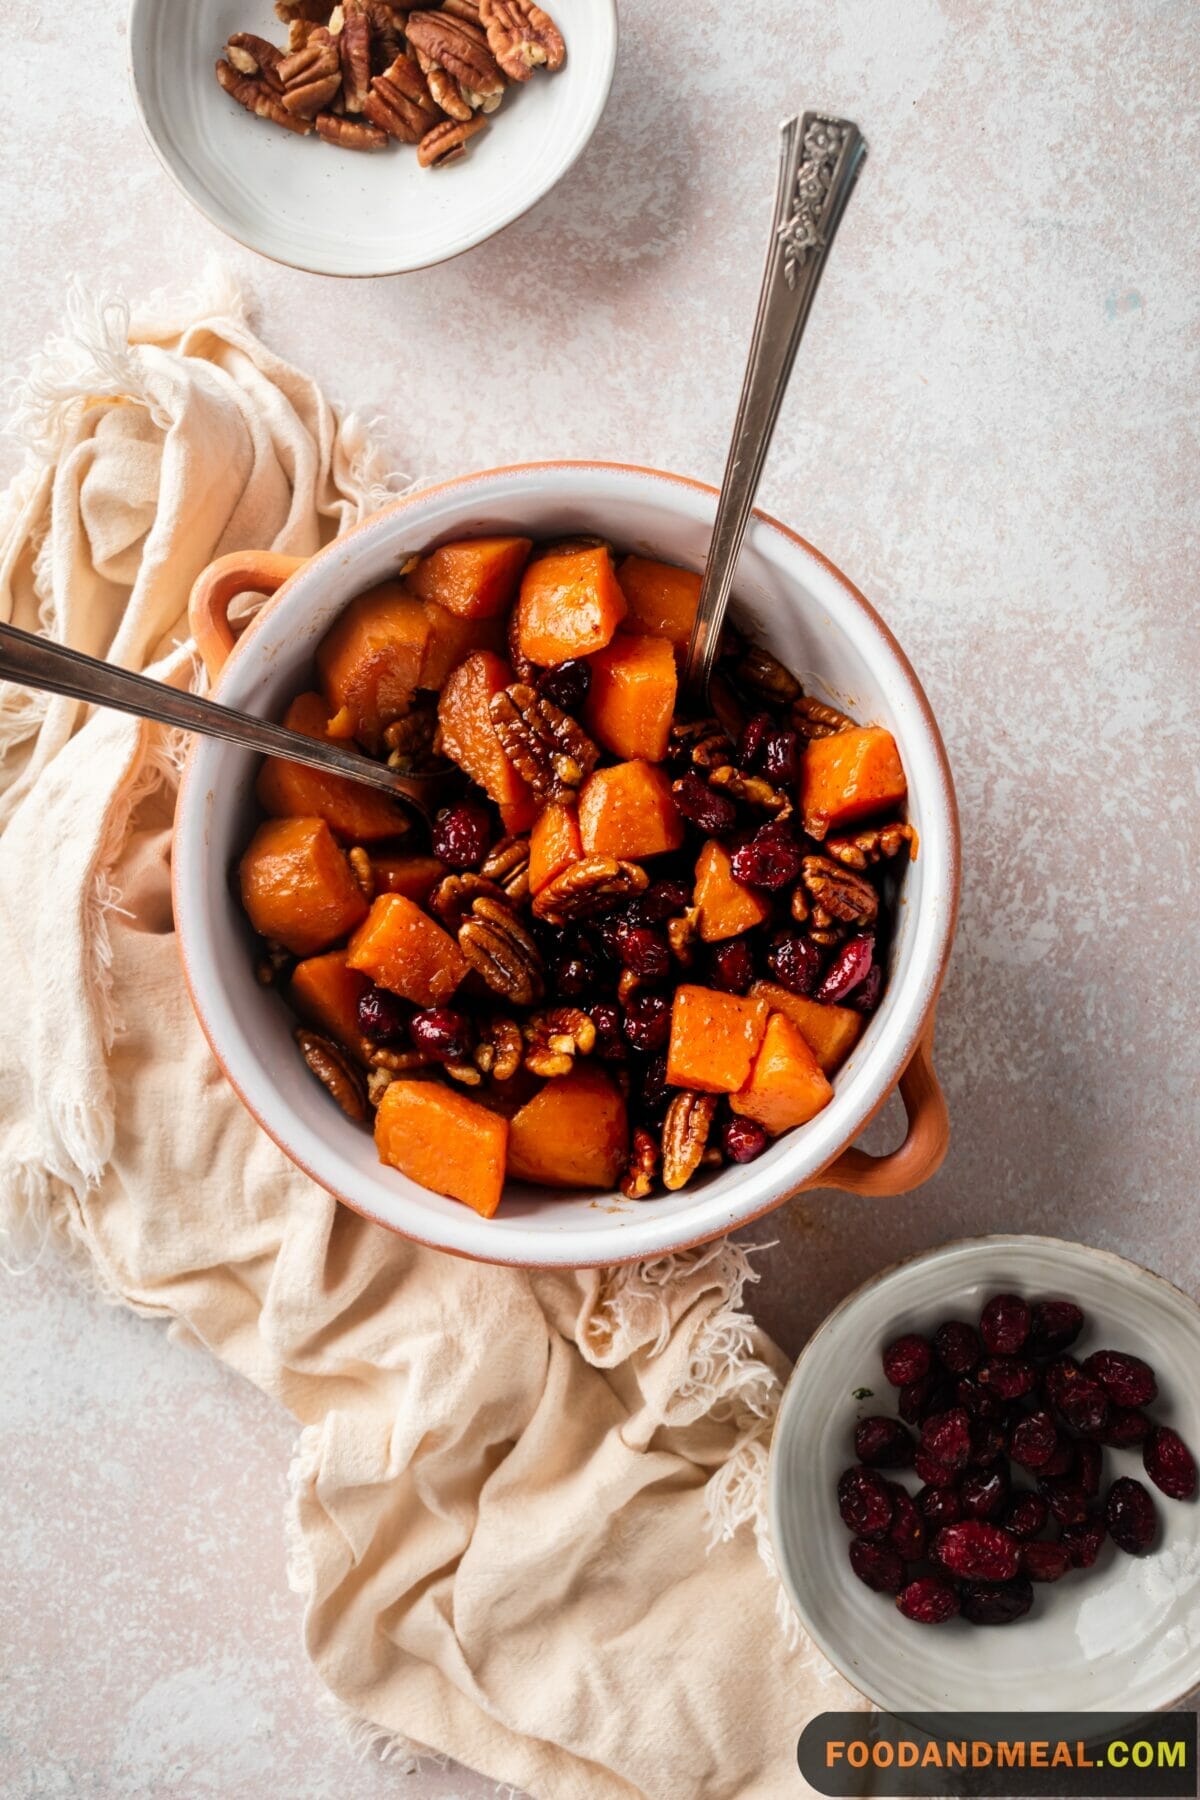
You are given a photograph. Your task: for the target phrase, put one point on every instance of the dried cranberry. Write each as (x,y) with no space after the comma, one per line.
(1085,1406)
(1053,1326)
(906,1359)
(752,743)
(441,1032)
(781,758)
(1127,1427)
(931,1471)
(662,900)
(851,965)
(957,1346)
(567,685)
(647,1020)
(864,1503)
(1130,1515)
(906,1533)
(983,1492)
(1083,1543)
(1008,1377)
(1127,1380)
(702,806)
(928,1600)
(978,1551)
(1169,1463)
(1004,1324)
(1065,1498)
(978,1401)
(610,1044)
(946,1437)
(743,1139)
(462,835)
(382,1016)
(795,962)
(1062,1462)
(731,966)
(881,1569)
(1034,1440)
(1088,1459)
(866,996)
(988,1442)
(643,950)
(882,1443)
(770,859)
(1003,1604)
(940,1505)
(575,973)
(655,1094)
(1026,1515)
(1045,1561)
(917,1398)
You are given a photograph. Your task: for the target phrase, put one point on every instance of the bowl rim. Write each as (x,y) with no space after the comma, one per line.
(608,1252)
(1000,1241)
(184,179)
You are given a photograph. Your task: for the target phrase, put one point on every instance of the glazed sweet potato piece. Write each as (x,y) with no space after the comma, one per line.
(451,639)
(570,605)
(297,886)
(468,736)
(830,1032)
(573,1134)
(325,990)
(358,814)
(714,1037)
(786,1086)
(444,1142)
(554,843)
(473,577)
(413,876)
(629,811)
(369,661)
(631,699)
(662,599)
(849,776)
(405,950)
(727,906)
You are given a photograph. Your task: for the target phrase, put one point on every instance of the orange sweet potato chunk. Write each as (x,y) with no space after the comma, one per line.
(359,815)
(444,1142)
(297,886)
(629,811)
(451,638)
(575,1133)
(467,734)
(849,776)
(554,844)
(830,1032)
(727,906)
(413,876)
(713,1039)
(405,950)
(369,661)
(325,990)
(786,1086)
(570,605)
(662,599)
(473,577)
(631,699)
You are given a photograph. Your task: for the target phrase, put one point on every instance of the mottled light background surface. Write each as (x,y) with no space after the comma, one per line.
(992,430)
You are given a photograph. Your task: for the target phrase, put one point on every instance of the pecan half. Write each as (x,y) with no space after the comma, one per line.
(499,949)
(593,885)
(638,1179)
(507,863)
(521,37)
(312,76)
(253,55)
(399,1062)
(360,868)
(684,1136)
(682,935)
(453,897)
(445,90)
(400,103)
(755,790)
(354,49)
(876,844)
(465,1073)
(764,676)
(409,740)
(253,93)
(274,964)
(813,719)
(378,1083)
(463,9)
(458,47)
(522,667)
(312,12)
(499,1048)
(838,893)
(446,142)
(543,743)
(555,1038)
(387,34)
(701,743)
(334,1070)
(350,134)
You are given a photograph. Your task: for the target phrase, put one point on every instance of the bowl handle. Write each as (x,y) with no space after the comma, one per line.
(214,590)
(923,1149)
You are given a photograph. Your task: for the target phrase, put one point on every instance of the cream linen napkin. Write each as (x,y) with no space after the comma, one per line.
(517,1500)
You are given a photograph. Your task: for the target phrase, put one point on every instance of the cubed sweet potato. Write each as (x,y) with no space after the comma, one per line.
(830,1032)
(325,990)
(413,876)
(451,639)
(662,599)
(554,844)
(573,1134)
(570,605)
(727,906)
(297,886)
(402,948)
(849,776)
(631,699)
(358,814)
(473,577)
(444,1142)
(468,736)
(369,661)
(629,811)
(786,1086)
(713,1039)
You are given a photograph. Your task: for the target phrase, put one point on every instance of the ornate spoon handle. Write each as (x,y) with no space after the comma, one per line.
(819,161)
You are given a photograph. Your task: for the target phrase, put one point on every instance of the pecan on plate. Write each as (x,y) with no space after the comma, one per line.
(354,49)
(507,863)
(387,33)
(521,37)
(543,743)
(463,9)
(311,12)
(252,92)
(400,103)
(253,55)
(838,894)
(685,1135)
(555,1038)
(764,676)
(499,949)
(445,90)
(312,76)
(593,885)
(814,719)
(334,1070)
(499,1048)
(755,790)
(877,843)
(446,142)
(458,47)
(453,897)
(638,1179)
(350,134)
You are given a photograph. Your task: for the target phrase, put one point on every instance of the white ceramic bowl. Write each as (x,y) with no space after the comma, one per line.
(812,618)
(1123,1636)
(341,212)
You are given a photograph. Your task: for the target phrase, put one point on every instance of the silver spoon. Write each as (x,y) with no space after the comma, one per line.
(819,161)
(39,663)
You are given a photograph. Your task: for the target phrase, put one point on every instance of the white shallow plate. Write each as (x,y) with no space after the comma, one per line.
(341,212)
(1123,1636)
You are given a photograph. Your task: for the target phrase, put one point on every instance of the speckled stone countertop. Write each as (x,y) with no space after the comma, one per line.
(991,430)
